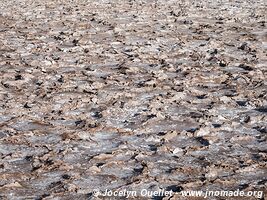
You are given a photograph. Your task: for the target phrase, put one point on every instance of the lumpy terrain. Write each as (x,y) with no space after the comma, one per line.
(134,94)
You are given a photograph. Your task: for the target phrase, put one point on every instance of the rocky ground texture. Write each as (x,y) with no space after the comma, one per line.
(132,94)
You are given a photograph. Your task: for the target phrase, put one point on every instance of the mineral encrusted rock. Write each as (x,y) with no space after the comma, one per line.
(131,95)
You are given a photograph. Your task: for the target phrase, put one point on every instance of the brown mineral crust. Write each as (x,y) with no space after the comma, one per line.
(144,94)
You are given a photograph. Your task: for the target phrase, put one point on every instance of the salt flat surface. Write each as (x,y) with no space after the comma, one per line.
(131,95)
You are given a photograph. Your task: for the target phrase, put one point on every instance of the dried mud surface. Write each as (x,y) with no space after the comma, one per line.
(130,95)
